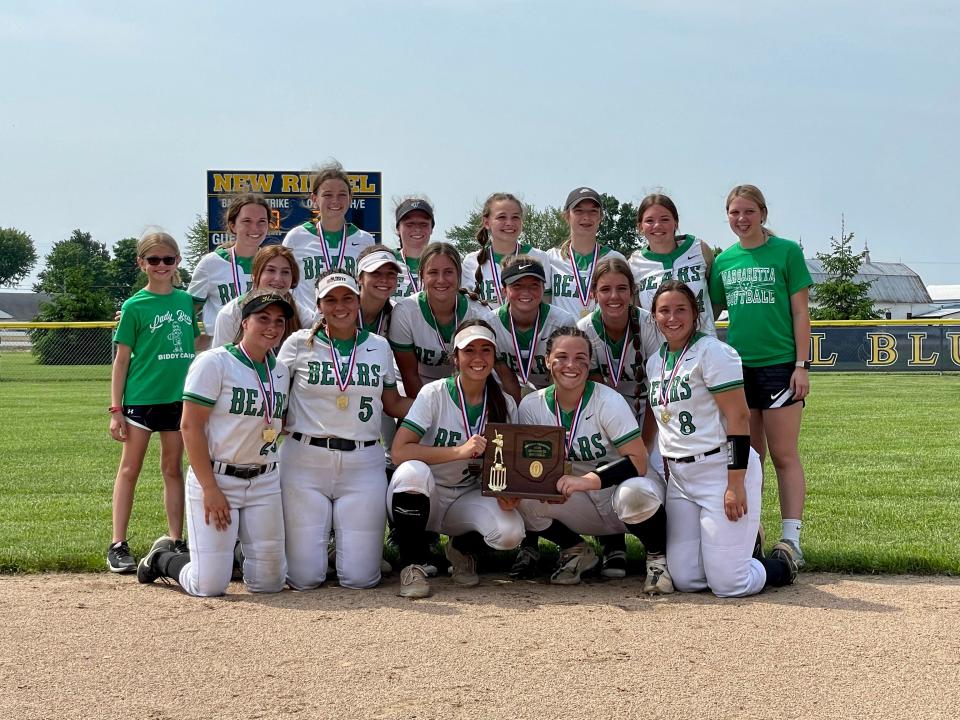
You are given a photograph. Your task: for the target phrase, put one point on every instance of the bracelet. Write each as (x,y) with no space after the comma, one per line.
(738,452)
(114,409)
(805,364)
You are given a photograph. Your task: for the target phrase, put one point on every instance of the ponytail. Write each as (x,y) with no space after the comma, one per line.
(483,239)
(496,402)
(633,312)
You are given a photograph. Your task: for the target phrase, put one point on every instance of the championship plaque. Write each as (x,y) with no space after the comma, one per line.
(523,461)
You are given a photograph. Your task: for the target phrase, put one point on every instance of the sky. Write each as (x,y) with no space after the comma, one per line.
(111,114)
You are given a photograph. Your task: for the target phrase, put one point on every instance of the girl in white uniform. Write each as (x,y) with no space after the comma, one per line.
(623,337)
(422,326)
(713,495)
(415,223)
(332,468)
(225,273)
(668,255)
(499,238)
(573,263)
(436,485)
(329,242)
(234,401)
(274,268)
(600,428)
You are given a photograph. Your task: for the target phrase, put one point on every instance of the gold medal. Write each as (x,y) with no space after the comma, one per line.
(665,416)
(586,311)
(269,434)
(343,402)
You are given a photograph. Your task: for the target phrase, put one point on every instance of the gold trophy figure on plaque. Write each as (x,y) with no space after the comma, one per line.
(497,480)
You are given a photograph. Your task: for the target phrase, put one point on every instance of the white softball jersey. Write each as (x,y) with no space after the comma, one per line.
(685,264)
(565,289)
(606,423)
(695,424)
(305,243)
(214,283)
(436,418)
(489,287)
(313,408)
(551,318)
(606,351)
(413,328)
(226,381)
(230,315)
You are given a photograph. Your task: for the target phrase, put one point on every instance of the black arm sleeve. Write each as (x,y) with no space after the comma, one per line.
(616,472)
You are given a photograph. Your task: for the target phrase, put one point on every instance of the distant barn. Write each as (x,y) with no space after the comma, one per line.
(20,306)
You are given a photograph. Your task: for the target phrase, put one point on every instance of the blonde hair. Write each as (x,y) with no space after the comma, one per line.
(752,192)
(159,238)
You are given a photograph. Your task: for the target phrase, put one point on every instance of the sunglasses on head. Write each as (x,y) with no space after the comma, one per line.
(166,260)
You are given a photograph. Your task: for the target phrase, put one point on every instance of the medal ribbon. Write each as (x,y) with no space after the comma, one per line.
(410,276)
(436,329)
(481,422)
(235,271)
(326,250)
(616,371)
(335,356)
(380,319)
(665,386)
(575,421)
(583,286)
(268,397)
(495,272)
(525,368)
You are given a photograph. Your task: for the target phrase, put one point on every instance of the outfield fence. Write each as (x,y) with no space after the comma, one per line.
(84,350)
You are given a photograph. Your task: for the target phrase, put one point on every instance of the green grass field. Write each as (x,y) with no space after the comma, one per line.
(880,452)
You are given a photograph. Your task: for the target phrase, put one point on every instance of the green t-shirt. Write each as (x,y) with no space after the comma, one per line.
(159,330)
(756,286)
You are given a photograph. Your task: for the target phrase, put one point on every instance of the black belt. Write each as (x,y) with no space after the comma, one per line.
(333,443)
(694,458)
(244,472)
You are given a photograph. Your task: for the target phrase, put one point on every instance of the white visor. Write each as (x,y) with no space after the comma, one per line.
(336,280)
(375,260)
(474,332)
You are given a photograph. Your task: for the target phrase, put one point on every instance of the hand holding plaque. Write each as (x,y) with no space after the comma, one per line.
(523,461)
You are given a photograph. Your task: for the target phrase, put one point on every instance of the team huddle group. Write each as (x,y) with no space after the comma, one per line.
(343,387)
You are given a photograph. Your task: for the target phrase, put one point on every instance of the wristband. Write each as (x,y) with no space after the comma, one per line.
(114,409)
(738,452)
(616,472)
(805,364)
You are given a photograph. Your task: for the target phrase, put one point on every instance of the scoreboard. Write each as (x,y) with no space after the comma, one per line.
(288,194)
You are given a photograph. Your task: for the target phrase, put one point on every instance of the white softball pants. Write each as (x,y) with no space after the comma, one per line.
(256,518)
(324,489)
(458,510)
(704,548)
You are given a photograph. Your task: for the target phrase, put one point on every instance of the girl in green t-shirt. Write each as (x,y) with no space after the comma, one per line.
(764,283)
(155,346)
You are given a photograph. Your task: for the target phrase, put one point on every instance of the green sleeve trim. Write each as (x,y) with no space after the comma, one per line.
(198,399)
(413,427)
(624,439)
(726,386)
(390,386)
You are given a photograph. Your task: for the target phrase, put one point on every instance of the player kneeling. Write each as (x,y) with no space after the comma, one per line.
(438,447)
(234,400)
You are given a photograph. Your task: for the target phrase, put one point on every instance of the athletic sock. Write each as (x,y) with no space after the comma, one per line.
(531,540)
(652,532)
(560,534)
(410,514)
(778,572)
(169,564)
(790,530)
(612,543)
(471,543)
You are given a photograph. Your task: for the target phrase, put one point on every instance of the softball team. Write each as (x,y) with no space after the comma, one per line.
(499,238)
(577,337)
(154,347)
(234,401)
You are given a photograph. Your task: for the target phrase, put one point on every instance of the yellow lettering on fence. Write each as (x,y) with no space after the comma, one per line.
(883,349)
(816,348)
(916,356)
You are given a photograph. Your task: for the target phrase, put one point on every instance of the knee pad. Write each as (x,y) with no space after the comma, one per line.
(637,499)
(508,534)
(412,476)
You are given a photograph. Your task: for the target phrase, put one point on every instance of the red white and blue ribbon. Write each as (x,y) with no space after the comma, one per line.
(574,422)
(326,251)
(524,368)
(343,381)
(583,286)
(481,421)
(268,397)
(616,371)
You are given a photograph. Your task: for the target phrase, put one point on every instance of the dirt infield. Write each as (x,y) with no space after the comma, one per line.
(101,646)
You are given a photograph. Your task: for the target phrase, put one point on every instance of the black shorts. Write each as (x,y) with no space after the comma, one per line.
(155,418)
(768,387)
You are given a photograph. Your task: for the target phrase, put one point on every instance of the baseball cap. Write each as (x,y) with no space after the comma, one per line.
(471,333)
(369,263)
(408,206)
(335,280)
(527,268)
(579,195)
(260,299)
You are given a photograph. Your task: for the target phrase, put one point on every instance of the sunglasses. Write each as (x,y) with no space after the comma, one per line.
(166,260)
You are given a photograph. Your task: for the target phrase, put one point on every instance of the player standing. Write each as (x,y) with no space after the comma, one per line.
(234,401)
(438,447)
(572,264)
(415,223)
(764,283)
(155,345)
(332,468)
(713,497)
(499,238)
